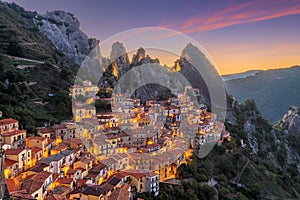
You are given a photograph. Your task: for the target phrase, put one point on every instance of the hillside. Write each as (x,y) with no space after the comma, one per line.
(266,168)
(34,81)
(273,90)
(34,75)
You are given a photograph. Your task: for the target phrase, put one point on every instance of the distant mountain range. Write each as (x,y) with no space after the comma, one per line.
(273,90)
(240,75)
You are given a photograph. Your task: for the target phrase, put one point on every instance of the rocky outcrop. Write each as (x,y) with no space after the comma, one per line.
(141,58)
(191,64)
(119,59)
(291,121)
(184,72)
(62,29)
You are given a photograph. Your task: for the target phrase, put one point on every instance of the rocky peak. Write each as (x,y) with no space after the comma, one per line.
(118,51)
(140,55)
(141,58)
(190,52)
(62,29)
(119,59)
(62,18)
(291,121)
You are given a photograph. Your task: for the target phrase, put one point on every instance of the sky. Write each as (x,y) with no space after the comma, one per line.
(238,35)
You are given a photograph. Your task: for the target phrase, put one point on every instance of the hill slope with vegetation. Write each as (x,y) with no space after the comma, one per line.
(265,169)
(34,75)
(273,90)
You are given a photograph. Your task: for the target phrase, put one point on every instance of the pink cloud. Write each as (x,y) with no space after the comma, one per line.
(234,14)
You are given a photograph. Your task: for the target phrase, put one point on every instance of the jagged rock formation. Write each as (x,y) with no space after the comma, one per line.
(192,57)
(119,59)
(291,121)
(120,64)
(141,58)
(62,29)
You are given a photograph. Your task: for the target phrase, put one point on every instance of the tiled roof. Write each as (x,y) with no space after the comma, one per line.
(139,173)
(11,133)
(120,193)
(38,167)
(66,181)
(22,194)
(8,162)
(73,171)
(35,150)
(80,182)
(11,186)
(33,183)
(46,130)
(109,161)
(59,126)
(37,138)
(13,151)
(8,121)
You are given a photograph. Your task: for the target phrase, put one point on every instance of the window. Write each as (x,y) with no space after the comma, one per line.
(36,195)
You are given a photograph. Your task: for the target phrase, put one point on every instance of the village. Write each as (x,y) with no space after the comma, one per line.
(107,155)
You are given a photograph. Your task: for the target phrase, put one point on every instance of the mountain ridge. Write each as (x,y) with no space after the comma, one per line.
(278,88)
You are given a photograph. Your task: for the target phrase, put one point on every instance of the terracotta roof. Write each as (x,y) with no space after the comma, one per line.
(118,135)
(8,121)
(150,146)
(84,160)
(22,194)
(8,162)
(66,181)
(37,138)
(98,167)
(13,151)
(72,171)
(58,191)
(109,161)
(35,150)
(50,141)
(11,133)
(11,186)
(59,126)
(80,182)
(94,190)
(113,129)
(120,193)
(33,183)
(45,130)
(139,173)
(38,167)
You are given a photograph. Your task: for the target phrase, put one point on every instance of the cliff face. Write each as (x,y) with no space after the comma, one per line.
(271,150)
(291,121)
(119,58)
(161,80)
(62,29)
(34,75)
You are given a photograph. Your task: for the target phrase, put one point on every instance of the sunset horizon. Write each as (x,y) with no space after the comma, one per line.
(238,35)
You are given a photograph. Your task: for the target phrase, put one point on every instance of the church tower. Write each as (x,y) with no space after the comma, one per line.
(4,194)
